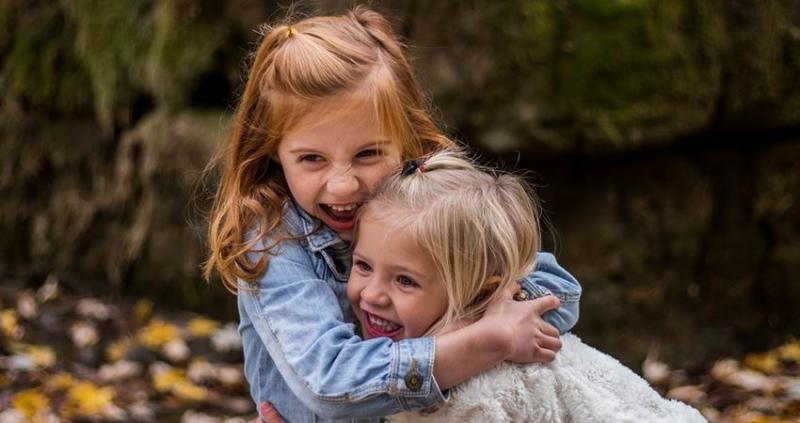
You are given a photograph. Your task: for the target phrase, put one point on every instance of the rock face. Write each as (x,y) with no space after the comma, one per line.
(665,132)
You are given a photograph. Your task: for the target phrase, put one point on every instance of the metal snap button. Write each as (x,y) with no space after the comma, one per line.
(413,379)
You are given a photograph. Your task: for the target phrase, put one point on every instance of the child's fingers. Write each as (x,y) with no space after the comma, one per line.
(545,356)
(551,343)
(269,414)
(549,329)
(544,304)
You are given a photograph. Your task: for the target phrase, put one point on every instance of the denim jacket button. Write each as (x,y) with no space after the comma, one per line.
(413,381)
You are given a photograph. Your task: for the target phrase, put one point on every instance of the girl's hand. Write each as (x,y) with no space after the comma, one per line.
(269,414)
(520,327)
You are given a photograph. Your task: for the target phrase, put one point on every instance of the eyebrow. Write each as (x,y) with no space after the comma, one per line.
(366,145)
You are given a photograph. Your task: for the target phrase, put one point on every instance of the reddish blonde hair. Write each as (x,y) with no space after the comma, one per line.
(295,66)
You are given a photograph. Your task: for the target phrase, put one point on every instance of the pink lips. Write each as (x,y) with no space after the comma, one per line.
(376,332)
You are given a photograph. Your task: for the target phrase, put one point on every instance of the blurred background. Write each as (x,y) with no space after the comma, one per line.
(664,136)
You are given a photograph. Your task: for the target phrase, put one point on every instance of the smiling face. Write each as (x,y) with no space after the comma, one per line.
(333,158)
(394,287)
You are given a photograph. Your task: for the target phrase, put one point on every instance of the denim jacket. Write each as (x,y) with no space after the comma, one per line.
(303,354)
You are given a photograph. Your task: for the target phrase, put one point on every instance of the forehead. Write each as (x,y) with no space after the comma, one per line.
(335,119)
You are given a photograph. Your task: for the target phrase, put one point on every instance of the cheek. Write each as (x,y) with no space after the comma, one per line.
(354,287)
(376,175)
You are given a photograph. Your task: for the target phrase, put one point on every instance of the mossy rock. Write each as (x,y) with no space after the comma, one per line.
(37,68)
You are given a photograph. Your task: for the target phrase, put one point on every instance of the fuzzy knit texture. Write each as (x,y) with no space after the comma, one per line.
(581,385)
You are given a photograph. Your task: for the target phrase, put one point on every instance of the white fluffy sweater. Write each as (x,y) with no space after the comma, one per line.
(581,385)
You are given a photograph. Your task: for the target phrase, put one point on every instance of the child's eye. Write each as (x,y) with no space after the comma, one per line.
(407,282)
(310,158)
(371,152)
(362,266)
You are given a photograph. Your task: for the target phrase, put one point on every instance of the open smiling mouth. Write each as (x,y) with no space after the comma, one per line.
(341,216)
(377,327)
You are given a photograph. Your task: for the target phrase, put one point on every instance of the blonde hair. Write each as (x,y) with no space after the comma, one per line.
(294,67)
(479,226)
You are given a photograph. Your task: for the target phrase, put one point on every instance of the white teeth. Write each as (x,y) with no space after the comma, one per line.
(343,208)
(383,324)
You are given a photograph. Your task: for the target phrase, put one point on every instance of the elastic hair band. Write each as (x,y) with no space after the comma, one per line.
(412,166)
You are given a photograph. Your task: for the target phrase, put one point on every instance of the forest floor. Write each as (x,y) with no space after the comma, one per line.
(76,358)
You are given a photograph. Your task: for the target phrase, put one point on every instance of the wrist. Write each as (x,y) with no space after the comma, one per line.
(495,341)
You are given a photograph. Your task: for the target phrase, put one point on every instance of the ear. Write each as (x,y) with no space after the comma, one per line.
(492,284)
(488,288)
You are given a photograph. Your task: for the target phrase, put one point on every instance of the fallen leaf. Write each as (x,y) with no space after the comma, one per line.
(61,381)
(30,402)
(13,416)
(728,371)
(8,324)
(790,351)
(202,327)
(174,381)
(89,399)
(93,308)
(26,305)
(227,339)
(117,350)
(119,370)
(654,371)
(40,355)
(692,394)
(764,362)
(49,290)
(157,333)
(83,334)
(176,350)
(142,310)
(201,371)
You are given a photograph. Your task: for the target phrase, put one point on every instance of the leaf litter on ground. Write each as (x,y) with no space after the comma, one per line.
(79,358)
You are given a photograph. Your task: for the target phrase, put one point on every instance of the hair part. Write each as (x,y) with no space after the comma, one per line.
(295,66)
(479,226)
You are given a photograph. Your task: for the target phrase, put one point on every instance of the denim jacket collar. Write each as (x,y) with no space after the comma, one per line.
(318,236)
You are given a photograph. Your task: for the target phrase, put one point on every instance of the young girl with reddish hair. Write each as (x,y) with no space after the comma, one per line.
(330,107)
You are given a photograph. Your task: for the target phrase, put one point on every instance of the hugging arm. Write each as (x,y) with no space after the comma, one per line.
(549,278)
(293,318)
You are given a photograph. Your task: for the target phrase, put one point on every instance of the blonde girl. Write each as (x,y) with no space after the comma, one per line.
(439,243)
(331,105)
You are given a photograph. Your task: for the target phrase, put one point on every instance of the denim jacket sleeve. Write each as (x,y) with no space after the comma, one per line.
(331,370)
(548,278)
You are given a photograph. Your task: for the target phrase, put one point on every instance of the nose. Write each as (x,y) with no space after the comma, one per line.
(375,294)
(343,182)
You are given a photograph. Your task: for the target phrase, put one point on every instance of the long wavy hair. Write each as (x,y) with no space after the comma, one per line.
(479,226)
(295,66)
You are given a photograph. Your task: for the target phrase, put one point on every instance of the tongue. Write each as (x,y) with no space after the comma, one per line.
(341,215)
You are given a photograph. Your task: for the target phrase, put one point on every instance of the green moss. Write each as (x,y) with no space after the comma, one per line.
(185,39)
(110,38)
(39,71)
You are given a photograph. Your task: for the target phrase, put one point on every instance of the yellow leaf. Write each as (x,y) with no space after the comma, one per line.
(8,324)
(42,356)
(143,310)
(89,399)
(790,351)
(157,333)
(164,381)
(765,363)
(30,402)
(175,382)
(188,391)
(202,327)
(61,381)
(117,350)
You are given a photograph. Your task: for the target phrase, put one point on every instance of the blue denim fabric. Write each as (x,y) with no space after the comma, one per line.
(548,278)
(301,350)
